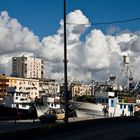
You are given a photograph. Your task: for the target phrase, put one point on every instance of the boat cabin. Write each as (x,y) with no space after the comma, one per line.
(16,99)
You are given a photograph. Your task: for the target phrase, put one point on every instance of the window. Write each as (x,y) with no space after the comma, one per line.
(23,105)
(124,106)
(120,106)
(128,107)
(23,95)
(42,61)
(112,103)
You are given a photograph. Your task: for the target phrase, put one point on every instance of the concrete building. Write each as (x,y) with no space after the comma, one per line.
(48,86)
(35,87)
(79,89)
(3,86)
(27,85)
(27,67)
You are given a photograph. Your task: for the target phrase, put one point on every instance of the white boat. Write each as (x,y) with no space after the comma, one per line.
(17,105)
(83,109)
(116,100)
(116,106)
(48,103)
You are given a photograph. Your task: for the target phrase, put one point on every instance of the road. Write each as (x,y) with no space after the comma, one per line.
(114,131)
(108,130)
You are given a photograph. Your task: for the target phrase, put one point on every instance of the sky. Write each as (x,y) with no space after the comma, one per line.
(35,28)
(43,16)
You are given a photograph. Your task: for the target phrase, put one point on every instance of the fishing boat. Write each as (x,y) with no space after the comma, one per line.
(17,105)
(117,102)
(109,99)
(47,102)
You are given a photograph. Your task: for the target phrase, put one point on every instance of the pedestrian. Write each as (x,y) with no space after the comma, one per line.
(104,111)
(131,110)
(123,112)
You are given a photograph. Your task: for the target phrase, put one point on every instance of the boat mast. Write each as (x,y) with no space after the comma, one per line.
(126,62)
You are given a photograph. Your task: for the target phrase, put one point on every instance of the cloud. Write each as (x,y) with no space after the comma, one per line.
(15,40)
(14,37)
(74,27)
(96,51)
(53,49)
(95,58)
(113,29)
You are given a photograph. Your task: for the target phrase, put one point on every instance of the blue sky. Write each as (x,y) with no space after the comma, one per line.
(43,16)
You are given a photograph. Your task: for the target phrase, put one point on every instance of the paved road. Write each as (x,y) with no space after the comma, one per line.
(116,130)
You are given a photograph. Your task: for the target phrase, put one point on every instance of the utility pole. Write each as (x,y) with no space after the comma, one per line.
(65,66)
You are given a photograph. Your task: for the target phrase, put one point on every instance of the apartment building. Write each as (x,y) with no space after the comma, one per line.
(79,89)
(24,85)
(48,86)
(3,85)
(35,87)
(27,67)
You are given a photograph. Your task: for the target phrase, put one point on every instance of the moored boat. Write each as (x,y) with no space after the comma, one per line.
(17,105)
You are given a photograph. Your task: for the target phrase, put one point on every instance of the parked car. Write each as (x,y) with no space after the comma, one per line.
(52,115)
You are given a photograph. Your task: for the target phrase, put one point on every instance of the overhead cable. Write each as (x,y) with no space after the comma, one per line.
(109,22)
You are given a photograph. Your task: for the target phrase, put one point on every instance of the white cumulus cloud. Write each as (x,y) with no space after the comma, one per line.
(94,58)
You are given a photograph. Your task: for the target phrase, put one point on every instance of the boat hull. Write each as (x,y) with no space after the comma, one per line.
(88,109)
(7,113)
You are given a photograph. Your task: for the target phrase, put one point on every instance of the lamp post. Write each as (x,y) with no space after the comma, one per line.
(65,66)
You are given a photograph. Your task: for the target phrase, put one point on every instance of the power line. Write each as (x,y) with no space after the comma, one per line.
(105,23)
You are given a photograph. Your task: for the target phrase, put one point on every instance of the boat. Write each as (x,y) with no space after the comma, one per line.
(46,103)
(109,99)
(17,105)
(83,109)
(116,102)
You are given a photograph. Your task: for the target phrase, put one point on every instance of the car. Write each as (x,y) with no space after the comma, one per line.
(52,115)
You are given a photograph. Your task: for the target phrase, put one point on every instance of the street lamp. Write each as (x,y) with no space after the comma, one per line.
(65,66)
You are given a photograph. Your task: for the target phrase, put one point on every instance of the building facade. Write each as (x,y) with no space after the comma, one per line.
(34,87)
(30,86)
(3,86)
(27,67)
(48,87)
(78,89)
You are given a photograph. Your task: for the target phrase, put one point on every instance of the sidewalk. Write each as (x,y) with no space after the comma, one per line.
(12,125)
(6,126)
